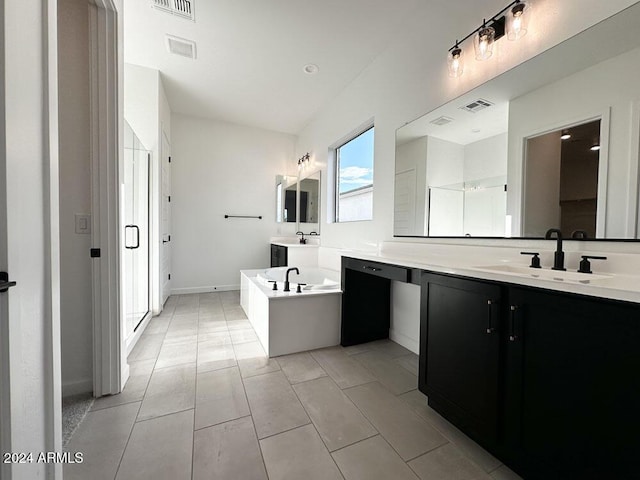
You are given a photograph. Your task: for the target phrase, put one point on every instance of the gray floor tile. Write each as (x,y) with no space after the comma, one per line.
(101,437)
(133,391)
(148,347)
(215,338)
(159,449)
(220,397)
(389,347)
(407,433)
(418,401)
(355,349)
(243,336)
(189,299)
(158,325)
(373,459)
(170,390)
(179,353)
(410,362)
(344,370)
(229,451)
(215,357)
(447,462)
(182,309)
(214,324)
(253,361)
(389,373)
(300,367)
(298,454)
(234,314)
(238,324)
(336,418)
(274,405)
(504,473)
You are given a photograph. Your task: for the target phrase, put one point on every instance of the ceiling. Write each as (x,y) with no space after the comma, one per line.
(251,54)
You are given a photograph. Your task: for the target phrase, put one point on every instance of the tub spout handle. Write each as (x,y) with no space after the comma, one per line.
(299,289)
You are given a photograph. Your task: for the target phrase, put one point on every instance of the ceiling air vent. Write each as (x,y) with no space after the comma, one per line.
(181,8)
(476,106)
(182,47)
(440,121)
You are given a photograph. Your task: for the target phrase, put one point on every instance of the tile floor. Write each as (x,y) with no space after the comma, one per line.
(204,402)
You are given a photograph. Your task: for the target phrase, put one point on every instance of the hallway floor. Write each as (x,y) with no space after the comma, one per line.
(204,402)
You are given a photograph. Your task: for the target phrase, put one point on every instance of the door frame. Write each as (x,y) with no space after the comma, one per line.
(110,369)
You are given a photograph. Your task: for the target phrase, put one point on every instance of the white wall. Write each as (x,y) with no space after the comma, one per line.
(486,158)
(611,87)
(411,162)
(410,78)
(445,162)
(75,197)
(221,168)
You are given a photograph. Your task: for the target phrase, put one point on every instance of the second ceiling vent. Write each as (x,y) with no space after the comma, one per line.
(180,8)
(181,46)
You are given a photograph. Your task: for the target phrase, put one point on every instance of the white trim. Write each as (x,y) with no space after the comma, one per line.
(191,290)
(105,165)
(404,340)
(135,336)
(77,387)
(52,344)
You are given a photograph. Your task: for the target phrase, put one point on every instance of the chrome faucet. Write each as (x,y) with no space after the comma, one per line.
(558,256)
(286,278)
(302,239)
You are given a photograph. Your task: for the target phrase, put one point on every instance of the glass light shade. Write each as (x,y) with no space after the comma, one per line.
(483,42)
(455,61)
(518,20)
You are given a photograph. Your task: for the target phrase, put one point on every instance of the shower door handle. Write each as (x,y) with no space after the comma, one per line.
(137,245)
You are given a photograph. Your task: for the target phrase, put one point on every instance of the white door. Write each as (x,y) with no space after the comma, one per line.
(30,386)
(165,253)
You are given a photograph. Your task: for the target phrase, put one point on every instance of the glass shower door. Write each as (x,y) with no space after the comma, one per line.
(136,236)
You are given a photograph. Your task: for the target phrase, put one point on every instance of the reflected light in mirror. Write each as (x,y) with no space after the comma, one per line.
(518,20)
(455,61)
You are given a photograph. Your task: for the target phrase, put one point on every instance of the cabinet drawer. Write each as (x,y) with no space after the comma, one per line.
(384,270)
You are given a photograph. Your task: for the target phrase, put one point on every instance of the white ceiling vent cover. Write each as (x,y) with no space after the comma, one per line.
(181,8)
(476,106)
(181,46)
(440,121)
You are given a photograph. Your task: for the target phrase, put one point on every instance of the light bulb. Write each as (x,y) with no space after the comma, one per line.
(455,60)
(565,135)
(595,148)
(518,20)
(483,42)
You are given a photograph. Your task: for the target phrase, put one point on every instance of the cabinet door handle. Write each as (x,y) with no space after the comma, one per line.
(512,324)
(373,269)
(490,328)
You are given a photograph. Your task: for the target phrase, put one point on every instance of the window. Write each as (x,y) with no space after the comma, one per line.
(354,179)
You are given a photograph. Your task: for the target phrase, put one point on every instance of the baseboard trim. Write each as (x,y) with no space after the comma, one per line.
(191,290)
(407,342)
(77,387)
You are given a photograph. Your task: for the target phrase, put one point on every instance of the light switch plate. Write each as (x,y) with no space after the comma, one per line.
(83,223)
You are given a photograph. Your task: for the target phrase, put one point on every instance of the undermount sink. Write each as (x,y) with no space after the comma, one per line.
(543,274)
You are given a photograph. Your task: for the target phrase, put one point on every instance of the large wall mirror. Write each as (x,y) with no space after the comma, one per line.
(552,143)
(298,201)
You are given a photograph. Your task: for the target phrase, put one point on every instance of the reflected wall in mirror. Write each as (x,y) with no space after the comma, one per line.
(561,181)
(471,167)
(310,203)
(286,198)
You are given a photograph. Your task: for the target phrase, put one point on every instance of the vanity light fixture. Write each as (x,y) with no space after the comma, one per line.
(512,21)
(304,161)
(565,135)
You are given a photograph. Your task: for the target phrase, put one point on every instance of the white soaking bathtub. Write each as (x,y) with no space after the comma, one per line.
(290,322)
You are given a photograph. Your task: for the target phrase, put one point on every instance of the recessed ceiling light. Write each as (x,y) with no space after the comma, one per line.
(311,69)
(565,135)
(475,130)
(595,148)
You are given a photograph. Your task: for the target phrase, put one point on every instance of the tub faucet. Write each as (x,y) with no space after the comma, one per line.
(558,256)
(286,278)
(302,239)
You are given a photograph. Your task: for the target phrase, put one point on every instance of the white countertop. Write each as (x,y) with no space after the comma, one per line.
(619,286)
(295,245)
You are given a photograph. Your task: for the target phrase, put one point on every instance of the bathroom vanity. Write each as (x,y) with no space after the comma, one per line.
(294,254)
(542,372)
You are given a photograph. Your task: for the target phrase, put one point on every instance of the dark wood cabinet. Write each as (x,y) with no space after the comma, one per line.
(553,390)
(461,349)
(572,386)
(279,256)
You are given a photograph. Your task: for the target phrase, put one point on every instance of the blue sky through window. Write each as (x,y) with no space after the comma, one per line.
(356,163)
